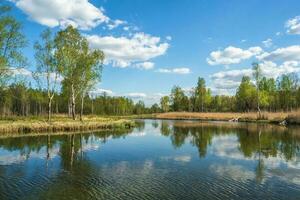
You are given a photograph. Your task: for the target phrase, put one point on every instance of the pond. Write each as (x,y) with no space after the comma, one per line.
(156,160)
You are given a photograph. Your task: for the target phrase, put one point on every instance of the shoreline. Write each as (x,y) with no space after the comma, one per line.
(291,118)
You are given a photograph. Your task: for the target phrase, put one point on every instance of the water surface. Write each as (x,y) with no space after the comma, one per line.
(156,160)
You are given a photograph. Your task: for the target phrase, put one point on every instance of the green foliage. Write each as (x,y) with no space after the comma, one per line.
(165,103)
(179,101)
(246,94)
(266,94)
(11,42)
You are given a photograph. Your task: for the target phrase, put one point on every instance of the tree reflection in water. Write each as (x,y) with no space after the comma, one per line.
(254,140)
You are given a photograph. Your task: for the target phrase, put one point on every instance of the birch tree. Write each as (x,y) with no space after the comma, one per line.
(46,68)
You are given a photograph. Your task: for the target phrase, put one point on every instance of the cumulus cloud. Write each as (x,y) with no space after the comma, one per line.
(231,79)
(78,13)
(115,23)
(232,74)
(145,65)
(232,55)
(272,70)
(293,25)
(267,43)
(290,53)
(123,51)
(180,70)
(224,81)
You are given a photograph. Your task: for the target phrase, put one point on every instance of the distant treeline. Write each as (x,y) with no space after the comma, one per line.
(262,94)
(17,99)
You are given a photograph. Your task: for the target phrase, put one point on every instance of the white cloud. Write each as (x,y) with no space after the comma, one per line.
(123,51)
(136,95)
(293,25)
(149,99)
(20,72)
(78,13)
(272,70)
(100,91)
(169,38)
(290,53)
(232,74)
(268,42)
(180,70)
(232,55)
(226,80)
(115,24)
(145,65)
(278,33)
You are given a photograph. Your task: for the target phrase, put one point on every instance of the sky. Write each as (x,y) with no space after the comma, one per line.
(152,45)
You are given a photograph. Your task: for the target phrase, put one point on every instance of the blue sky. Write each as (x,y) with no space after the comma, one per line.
(152,45)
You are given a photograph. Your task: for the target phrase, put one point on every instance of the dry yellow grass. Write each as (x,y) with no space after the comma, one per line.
(294,118)
(61,123)
(251,116)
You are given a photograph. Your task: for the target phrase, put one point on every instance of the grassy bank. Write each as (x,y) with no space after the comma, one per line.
(270,117)
(61,124)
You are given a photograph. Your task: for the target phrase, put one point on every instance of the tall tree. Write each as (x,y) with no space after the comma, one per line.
(69,46)
(200,92)
(246,94)
(257,73)
(178,99)
(165,103)
(47,67)
(11,42)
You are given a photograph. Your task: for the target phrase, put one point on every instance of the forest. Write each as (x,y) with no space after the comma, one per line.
(262,94)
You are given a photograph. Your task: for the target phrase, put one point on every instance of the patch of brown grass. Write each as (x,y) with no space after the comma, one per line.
(293,118)
(251,116)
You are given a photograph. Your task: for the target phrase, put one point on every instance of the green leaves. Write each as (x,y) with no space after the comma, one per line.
(11,42)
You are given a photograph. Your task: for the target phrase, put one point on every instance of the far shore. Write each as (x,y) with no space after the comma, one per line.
(283,118)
